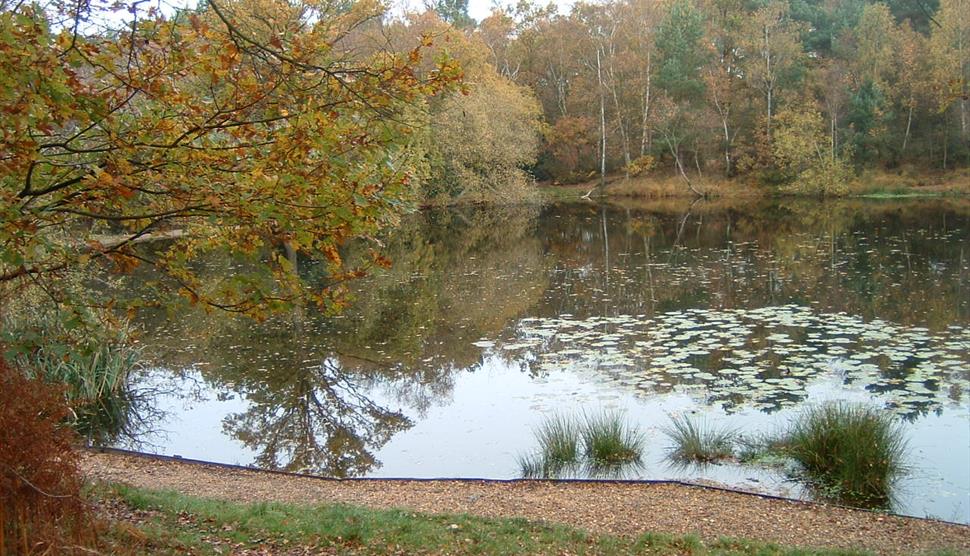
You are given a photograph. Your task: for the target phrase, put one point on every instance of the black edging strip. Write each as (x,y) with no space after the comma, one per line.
(235,467)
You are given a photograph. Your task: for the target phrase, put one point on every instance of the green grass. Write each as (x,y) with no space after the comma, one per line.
(850,453)
(607,441)
(600,446)
(97,384)
(558,440)
(899,194)
(171,523)
(696,442)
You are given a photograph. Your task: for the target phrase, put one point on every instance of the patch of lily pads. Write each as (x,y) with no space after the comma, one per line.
(764,358)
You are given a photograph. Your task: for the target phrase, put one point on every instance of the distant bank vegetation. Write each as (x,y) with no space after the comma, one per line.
(796,97)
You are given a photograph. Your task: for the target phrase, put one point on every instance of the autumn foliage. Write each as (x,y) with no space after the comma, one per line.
(241,125)
(41,511)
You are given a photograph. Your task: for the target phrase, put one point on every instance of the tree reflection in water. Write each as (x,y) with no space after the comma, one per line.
(326,393)
(318,419)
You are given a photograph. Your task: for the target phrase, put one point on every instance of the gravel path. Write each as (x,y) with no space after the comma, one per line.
(617,508)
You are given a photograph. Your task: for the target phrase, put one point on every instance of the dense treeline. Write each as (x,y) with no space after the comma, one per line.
(793,92)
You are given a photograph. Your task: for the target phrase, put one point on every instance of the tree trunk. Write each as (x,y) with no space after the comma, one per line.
(768,122)
(946,138)
(599,78)
(299,314)
(723,112)
(909,123)
(645,129)
(675,151)
(619,120)
(697,162)
(769,83)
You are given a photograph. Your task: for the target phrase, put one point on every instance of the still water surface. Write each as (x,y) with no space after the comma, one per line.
(491,320)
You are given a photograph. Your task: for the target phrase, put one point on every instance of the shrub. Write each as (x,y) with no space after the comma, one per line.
(850,452)
(40,506)
(698,443)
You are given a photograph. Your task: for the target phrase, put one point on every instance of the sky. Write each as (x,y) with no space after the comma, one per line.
(479,9)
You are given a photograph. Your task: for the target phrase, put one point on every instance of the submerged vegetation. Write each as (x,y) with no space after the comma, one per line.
(599,445)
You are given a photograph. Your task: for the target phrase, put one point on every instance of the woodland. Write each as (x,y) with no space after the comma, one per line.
(256,157)
(799,95)
(250,123)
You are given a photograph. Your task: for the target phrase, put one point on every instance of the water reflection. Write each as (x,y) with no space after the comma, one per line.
(316,418)
(740,307)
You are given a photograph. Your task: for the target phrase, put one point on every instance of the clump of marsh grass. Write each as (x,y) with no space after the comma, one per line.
(849,452)
(600,445)
(607,441)
(97,383)
(697,442)
(558,439)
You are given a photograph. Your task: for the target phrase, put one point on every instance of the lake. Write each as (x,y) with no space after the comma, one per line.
(491,320)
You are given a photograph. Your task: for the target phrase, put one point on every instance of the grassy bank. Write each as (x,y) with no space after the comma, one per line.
(164,522)
(880,184)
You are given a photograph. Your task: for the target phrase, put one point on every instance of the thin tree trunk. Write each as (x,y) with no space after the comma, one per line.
(645,129)
(599,77)
(963,98)
(963,117)
(619,119)
(833,126)
(769,83)
(723,112)
(768,122)
(946,138)
(727,149)
(675,151)
(909,123)
(697,162)
(298,314)
(616,102)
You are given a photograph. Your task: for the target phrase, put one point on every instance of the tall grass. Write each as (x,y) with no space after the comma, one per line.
(849,452)
(558,440)
(608,441)
(600,445)
(97,384)
(698,442)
